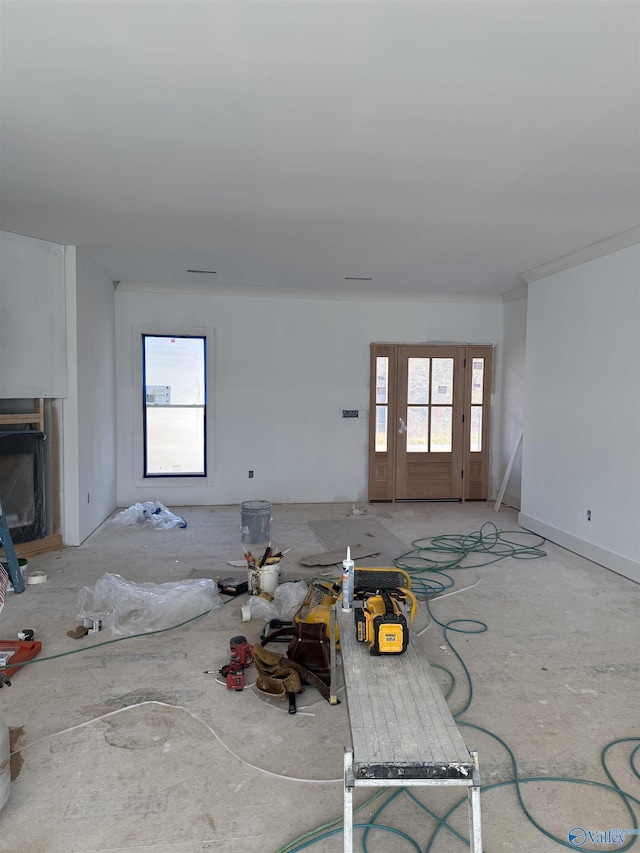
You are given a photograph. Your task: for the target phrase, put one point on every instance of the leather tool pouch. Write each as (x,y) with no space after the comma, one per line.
(276,676)
(308,654)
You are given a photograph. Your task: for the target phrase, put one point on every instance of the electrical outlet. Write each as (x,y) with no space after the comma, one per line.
(588,515)
(350,413)
(251,475)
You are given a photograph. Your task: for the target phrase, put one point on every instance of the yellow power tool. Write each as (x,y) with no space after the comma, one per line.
(316,606)
(322,594)
(381,622)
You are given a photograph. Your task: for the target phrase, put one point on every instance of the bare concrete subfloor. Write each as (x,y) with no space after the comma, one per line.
(186,765)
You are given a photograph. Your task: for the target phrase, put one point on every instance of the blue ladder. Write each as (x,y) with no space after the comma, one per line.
(12,561)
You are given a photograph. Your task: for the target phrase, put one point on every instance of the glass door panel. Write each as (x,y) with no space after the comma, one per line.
(476,429)
(382,379)
(441,429)
(477,381)
(418,381)
(477,397)
(382,403)
(442,381)
(417,429)
(381,429)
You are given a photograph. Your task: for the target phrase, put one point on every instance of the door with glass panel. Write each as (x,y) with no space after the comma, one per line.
(429,430)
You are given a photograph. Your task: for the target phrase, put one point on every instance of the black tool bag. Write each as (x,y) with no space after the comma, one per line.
(310,647)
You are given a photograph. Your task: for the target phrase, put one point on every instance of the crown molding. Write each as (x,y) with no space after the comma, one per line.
(518,293)
(291,293)
(582,256)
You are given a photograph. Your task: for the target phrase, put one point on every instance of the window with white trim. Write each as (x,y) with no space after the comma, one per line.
(174,391)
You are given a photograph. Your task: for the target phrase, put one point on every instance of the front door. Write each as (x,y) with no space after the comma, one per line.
(430,422)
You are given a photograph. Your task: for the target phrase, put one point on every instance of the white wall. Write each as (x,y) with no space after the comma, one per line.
(96,394)
(89,410)
(32,318)
(33,333)
(283,370)
(582,410)
(70,431)
(514,337)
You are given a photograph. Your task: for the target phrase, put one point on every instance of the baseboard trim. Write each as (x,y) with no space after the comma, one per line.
(609,559)
(511,500)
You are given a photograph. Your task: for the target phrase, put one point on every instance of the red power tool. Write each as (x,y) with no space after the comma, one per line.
(241,654)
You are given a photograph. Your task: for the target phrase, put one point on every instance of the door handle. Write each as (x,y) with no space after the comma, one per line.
(403,427)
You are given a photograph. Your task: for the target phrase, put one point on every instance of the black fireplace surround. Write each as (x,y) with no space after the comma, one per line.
(22,484)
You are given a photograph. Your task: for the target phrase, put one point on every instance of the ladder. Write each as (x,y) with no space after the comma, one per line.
(12,561)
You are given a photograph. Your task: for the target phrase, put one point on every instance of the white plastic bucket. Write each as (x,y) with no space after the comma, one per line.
(269,578)
(265,579)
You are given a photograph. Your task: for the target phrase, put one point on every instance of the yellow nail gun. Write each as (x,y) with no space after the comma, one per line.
(316,606)
(381,622)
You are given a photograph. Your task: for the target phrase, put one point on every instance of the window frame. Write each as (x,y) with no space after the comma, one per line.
(154,476)
(138,399)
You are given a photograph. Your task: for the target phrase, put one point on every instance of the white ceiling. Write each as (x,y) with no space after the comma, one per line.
(436,147)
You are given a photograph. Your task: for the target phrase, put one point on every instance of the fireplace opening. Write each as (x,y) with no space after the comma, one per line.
(22,484)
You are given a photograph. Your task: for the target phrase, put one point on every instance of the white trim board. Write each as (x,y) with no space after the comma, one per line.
(609,559)
(583,255)
(195,288)
(518,293)
(511,500)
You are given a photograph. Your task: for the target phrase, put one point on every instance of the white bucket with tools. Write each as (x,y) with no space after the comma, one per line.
(265,579)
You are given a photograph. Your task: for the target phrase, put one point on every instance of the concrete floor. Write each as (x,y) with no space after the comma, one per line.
(130,747)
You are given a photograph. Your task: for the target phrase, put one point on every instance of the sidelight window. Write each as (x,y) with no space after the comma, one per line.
(382,403)
(477,402)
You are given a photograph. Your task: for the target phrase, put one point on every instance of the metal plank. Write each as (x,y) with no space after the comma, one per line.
(401,725)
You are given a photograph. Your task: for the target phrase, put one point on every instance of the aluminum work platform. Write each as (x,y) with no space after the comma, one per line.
(402,731)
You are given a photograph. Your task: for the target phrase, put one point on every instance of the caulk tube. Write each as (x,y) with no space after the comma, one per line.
(347,582)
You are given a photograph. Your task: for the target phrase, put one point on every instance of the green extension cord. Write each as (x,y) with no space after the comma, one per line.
(444,552)
(438,555)
(108,642)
